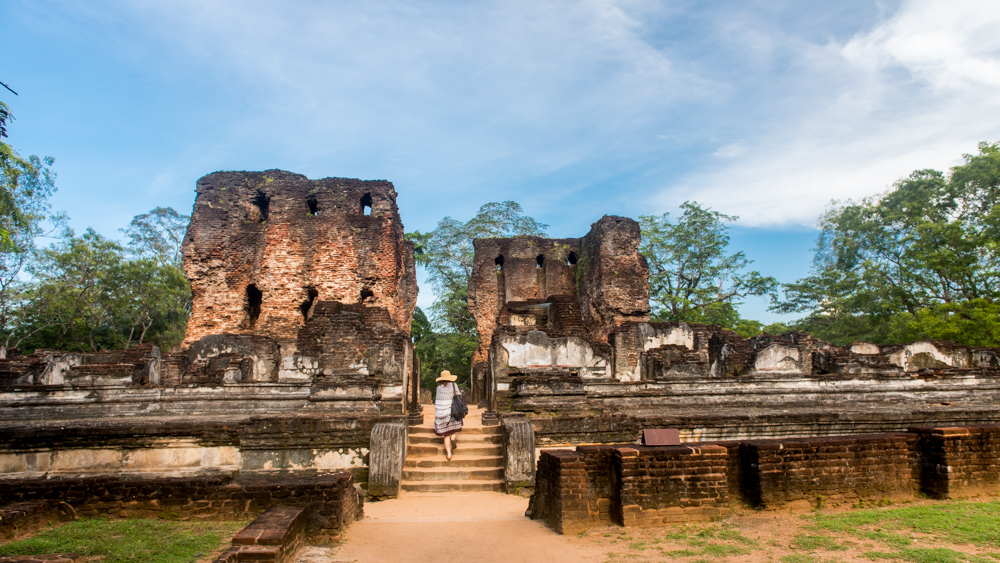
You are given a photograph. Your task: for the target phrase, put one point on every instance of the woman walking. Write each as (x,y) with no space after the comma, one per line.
(444,424)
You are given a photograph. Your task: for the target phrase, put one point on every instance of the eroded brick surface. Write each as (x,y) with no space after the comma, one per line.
(657,485)
(324,505)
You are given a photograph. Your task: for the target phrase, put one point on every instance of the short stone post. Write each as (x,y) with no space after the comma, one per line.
(385,459)
(519,454)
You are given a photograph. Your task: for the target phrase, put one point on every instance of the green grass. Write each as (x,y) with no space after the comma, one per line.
(958,522)
(975,523)
(800,558)
(809,542)
(129,541)
(927,555)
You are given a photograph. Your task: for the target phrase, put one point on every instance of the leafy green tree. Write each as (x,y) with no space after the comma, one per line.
(72,276)
(26,184)
(919,261)
(158,235)
(449,336)
(692,277)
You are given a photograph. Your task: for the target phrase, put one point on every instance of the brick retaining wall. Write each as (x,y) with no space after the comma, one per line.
(775,473)
(643,485)
(330,500)
(959,461)
(657,485)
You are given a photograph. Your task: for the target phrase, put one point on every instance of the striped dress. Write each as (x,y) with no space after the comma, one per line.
(444,424)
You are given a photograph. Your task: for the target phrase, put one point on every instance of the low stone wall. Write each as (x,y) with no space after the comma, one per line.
(959,461)
(187,446)
(274,536)
(632,486)
(330,500)
(561,492)
(660,485)
(808,471)
(654,485)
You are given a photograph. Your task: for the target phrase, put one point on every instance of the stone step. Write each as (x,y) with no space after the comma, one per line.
(426,450)
(452,486)
(453,474)
(457,460)
(463,438)
(466,430)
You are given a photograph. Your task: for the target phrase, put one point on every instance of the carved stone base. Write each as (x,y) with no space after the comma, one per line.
(415,418)
(490,418)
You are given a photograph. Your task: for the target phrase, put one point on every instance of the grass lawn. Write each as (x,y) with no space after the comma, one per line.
(129,541)
(917,532)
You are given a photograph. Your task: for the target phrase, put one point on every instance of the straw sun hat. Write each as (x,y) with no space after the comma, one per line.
(447,376)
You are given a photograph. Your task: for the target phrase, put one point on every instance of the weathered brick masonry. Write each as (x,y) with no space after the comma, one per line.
(631,486)
(330,501)
(959,461)
(775,473)
(655,485)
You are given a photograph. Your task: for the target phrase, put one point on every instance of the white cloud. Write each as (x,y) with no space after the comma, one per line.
(732,150)
(916,91)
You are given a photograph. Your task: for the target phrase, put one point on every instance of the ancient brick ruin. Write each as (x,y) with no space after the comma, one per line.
(635,485)
(566,339)
(300,281)
(298,361)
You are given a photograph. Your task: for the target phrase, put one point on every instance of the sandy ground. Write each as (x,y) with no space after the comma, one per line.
(480,527)
(491,527)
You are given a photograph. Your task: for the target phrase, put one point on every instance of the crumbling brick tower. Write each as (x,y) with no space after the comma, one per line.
(571,293)
(299,281)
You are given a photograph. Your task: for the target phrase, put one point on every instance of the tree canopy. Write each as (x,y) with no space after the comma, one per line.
(692,276)
(447,338)
(919,261)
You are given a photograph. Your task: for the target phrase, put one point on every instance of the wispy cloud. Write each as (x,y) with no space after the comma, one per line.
(915,91)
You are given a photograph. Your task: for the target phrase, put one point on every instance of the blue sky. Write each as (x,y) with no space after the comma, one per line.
(767,110)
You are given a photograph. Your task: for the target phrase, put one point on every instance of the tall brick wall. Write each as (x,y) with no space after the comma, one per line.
(287,235)
(959,461)
(613,281)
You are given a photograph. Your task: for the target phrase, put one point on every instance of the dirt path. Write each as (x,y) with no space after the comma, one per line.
(480,527)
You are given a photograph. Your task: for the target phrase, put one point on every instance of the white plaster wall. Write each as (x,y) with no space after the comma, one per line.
(681,335)
(902,358)
(779,358)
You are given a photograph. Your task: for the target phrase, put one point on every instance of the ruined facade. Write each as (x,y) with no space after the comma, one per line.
(298,343)
(547,306)
(309,281)
(566,339)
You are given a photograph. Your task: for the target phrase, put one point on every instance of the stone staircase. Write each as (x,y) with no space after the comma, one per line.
(476,464)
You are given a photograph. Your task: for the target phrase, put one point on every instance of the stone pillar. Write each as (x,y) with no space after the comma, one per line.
(490,417)
(519,454)
(385,461)
(416,416)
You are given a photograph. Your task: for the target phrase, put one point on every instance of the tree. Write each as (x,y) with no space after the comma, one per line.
(447,255)
(90,294)
(691,276)
(919,261)
(26,184)
(158,235)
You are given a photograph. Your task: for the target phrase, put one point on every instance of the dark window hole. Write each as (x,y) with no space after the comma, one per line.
(499,263)
(571,259)
(367,296)
(261,202)
(311,295)
(313,205)
(366,204)
(254,299)
(540,261)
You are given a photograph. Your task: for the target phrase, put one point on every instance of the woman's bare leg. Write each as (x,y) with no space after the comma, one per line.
(447,446)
